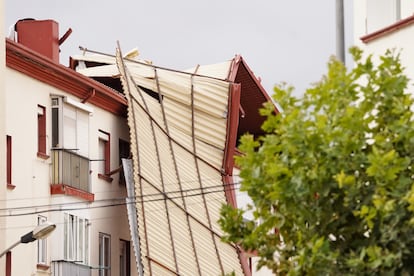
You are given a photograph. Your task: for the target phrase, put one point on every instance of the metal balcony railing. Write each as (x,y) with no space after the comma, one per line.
(67,268)
(70,169)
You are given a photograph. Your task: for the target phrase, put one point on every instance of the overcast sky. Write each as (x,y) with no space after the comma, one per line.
(281,40)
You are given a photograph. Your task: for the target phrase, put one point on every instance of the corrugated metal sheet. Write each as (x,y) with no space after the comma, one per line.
(178,144)
(132,212)
(218,70)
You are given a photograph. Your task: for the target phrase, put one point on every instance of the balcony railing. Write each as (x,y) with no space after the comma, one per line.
(67,268)
(70,169)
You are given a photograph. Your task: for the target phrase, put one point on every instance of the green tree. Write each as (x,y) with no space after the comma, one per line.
(332,180)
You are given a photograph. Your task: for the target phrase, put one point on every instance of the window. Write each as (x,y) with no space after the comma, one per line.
(70,147)
(41,244)
(104,155)
(124,152)
(381,13)
(104,254)
(76,239)
(8,263)
(55,122)
(124,258)
(9,161)
(70,125)
(41,132)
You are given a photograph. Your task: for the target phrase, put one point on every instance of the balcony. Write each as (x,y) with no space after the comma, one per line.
(70,174)
(67,268)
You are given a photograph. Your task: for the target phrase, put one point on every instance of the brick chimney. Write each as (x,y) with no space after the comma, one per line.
(41,36)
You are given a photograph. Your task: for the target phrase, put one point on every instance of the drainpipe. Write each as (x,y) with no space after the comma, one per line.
(340,33)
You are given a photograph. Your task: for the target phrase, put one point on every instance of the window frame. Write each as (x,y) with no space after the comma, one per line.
(124,151)
(41,132)
(41,244)
(124,258)
(76,239)
(104,253)
(104,138)
(9,162)
(56,122)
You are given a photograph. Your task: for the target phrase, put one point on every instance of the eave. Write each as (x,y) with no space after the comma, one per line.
(252,97)
(389,29)
(238,61)
(37,66)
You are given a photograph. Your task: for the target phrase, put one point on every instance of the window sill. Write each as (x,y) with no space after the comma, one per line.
(42,267)
(10,186)
(42,155)
(62,189)
(105,177)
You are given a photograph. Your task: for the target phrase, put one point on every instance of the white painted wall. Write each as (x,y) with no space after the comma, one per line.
(2,136)
(401,41)
(372,15)
(31,176)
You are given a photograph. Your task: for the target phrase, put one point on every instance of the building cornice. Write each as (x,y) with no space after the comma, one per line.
(37,66)
(387,30)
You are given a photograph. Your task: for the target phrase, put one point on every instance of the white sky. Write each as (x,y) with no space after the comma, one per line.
(281,40)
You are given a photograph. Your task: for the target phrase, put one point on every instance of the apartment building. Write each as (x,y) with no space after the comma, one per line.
(64,135)
(386,25)
(372,15)
(3,189)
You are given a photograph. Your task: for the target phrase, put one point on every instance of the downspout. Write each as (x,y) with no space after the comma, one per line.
(340,33)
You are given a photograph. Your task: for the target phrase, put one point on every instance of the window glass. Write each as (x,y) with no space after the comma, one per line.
(76,239)
(124,152)
(82,129)
(41,130)
(9,159)
(41,244)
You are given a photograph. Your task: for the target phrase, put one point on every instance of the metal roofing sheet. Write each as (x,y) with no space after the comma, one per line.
(178,144)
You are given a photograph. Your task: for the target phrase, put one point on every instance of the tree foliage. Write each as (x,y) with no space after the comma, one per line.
(332,180)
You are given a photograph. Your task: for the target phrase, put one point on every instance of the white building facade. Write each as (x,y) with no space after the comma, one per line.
(65,135)
(2,130)
(372,15)
(381,25)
